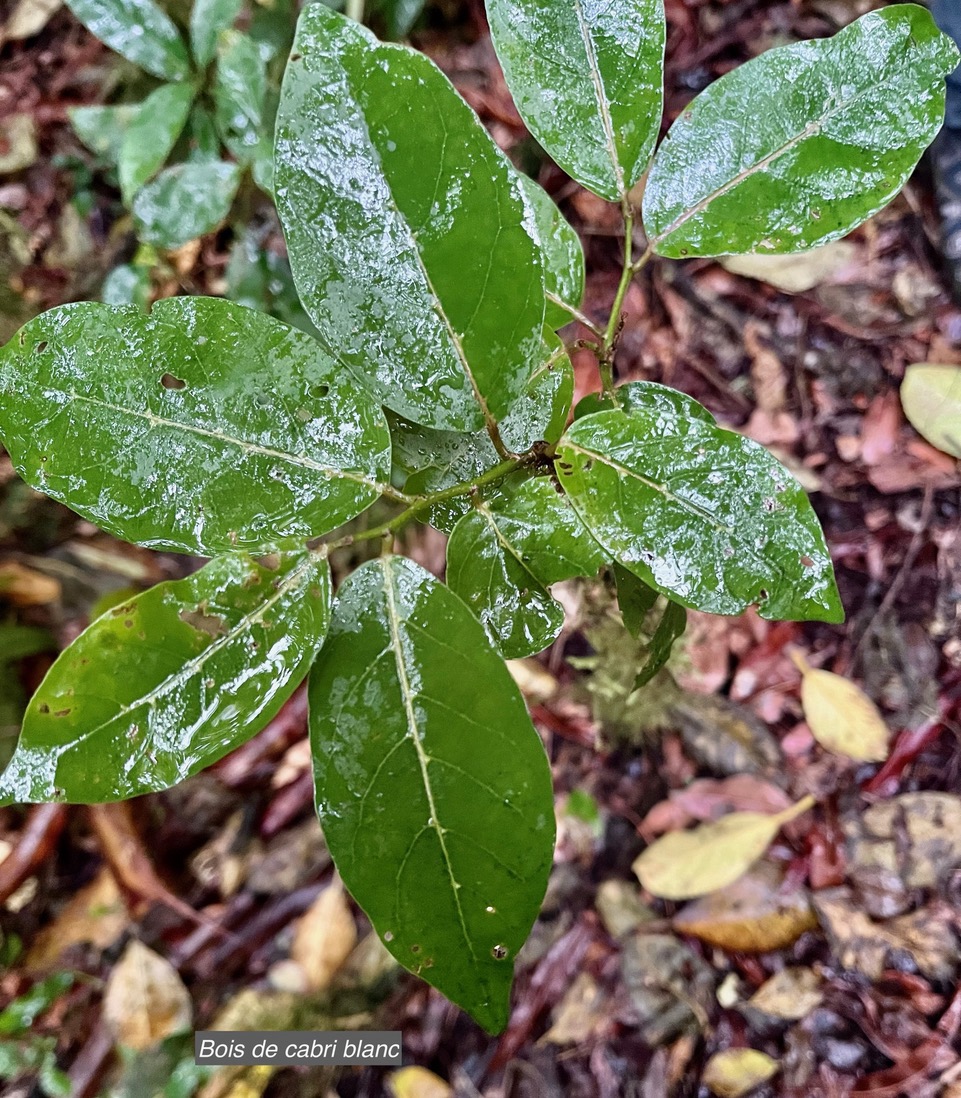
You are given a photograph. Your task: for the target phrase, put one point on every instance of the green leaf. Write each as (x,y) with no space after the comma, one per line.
(672,624)
(261,280)
(203,141)
(561,251)
(648,397)
(431,783)
(240,95)
(202,427)
(102,129)
(399,16)
(138,30)
(434,460)
(588,80)
(500,557)
(485,570)
(127,284)
(634,598)
(802,144)
(406,228)
(207,19)
(151,136)
(704,515)
(164,685)
(185,202)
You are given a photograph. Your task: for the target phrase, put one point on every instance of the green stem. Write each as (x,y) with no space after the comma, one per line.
(424,503)
(582,318)
(606,358)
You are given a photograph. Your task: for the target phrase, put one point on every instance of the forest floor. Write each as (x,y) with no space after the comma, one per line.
(837,955)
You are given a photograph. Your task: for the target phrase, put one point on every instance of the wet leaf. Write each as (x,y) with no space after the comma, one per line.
(790,994)
(647,397)
(841,716)
(802,144)
(202,427)
(240,96)
(425,759)
(588,81)
(502,556)
(406,228)
(151,135)
(145,1000)
(755,914)
(324,937)
(683,864)
(562,254)
(103,129)
(207,19)
(634,599)
(184,202)
(734,1072)
(138,30)
(931,398)
(704,515)
(164,685)
(433,460)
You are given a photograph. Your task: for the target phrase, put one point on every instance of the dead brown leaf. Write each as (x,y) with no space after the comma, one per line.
(790,994)
(24,586)
(325,936)
(145,1000)
(95,914)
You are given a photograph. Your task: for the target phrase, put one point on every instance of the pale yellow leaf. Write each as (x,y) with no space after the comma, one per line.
(325,937)
(684,864)
(145,1001)
(791,994)
(417,1082)
(842,718)
(931,398)
(737,1071)
(794,274)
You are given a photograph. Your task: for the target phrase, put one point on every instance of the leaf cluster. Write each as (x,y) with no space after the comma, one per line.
(437,388)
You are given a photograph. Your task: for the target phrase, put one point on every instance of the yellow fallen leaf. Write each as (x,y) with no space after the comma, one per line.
(755,914)
(791,994)
(684,864)
(417,1082)
(737,1071)
(931,398)
(325,937)
(24,586)
(841,716)
(794,274)
(145,1000)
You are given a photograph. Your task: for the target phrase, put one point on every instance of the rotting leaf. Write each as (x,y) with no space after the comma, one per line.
(754,914)
(735,1072)
(790,994)
(684,864)
(671,988)
(841,716)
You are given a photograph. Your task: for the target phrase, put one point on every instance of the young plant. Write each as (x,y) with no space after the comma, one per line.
(213,111)
(436,277)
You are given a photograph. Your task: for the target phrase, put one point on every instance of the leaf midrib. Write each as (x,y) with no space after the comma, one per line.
(407,694)
(600,95)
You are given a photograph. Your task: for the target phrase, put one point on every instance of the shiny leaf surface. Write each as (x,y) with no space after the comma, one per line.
(151,136)
(488,572)
(434,460)
(645,396)
(588,80)
(561,251)
(185,202)
(431,783)
(634,598)
(138,30)
(240,96)
(704,515)
(501,556)
(202,427)
(406,228)
(207,19)
(164,685)
(802,144)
